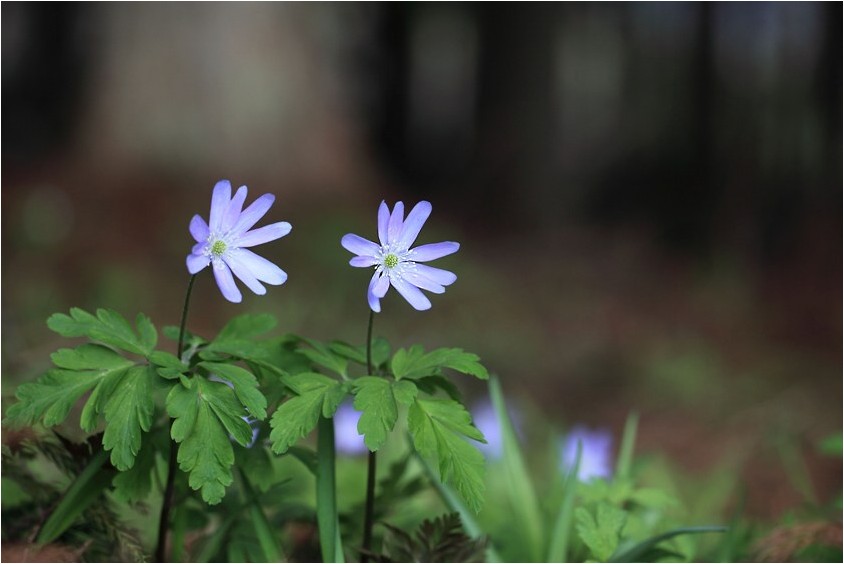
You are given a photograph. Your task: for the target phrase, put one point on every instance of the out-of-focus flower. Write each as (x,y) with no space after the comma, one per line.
(485,419)
(223,242)
(596,457)
(396,263)
(347,440)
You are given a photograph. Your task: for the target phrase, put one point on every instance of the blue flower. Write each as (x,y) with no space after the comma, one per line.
(346,437)
(596,454)
(223,242)
(396,264)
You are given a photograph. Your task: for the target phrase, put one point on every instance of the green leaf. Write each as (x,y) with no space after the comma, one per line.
(53,395)
(414,363)
(601,532)
(528,523)
(108,327)
(831,445)
(641,550)
(356,354)
(322,355)
(437,427)
(204,416)
(245,387)
(628,442)
(239,348)
(128,413)
(247,326)
(558,547)
(377,399)
(169,366)
(82,493)
(316,394)
(134,485)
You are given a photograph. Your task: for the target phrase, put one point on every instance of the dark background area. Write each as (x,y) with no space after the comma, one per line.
(648,195)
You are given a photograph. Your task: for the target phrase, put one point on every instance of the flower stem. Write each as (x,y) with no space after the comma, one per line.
(167,502)
(369,515)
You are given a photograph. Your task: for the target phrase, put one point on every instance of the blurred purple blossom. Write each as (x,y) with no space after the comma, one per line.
(223,240)
(485,419)
(346,437)
(395,262)
(596,457)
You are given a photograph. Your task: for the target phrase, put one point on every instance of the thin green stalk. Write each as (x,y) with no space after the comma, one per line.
(167,502)
(628,443)
(369,514)
(558,547)
(261,525)
(327,520)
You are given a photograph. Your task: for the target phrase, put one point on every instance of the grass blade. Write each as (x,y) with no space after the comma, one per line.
(327,519)
(527,516)
(262,528)
(642,549)
(558,545)
(84,491)
(628,442)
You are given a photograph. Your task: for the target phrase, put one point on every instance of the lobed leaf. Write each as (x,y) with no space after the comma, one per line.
(245,387)
(377,399)
(316,394)
(169,366)
(128,413)
(437,427)
(322,355)
(108,327)
(414,363)
(204,416)
(246,326)
(601,532)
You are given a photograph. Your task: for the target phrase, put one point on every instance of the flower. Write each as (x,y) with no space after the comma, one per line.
(396,263)
(595,456)
(485,418)
(346,436)
(223,240)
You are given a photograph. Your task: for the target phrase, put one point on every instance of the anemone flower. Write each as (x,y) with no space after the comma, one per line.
(395,263)
(223,242)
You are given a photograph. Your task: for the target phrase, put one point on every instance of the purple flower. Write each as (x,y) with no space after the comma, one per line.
(346,436)
(396,263)
(223,240)
(596,453)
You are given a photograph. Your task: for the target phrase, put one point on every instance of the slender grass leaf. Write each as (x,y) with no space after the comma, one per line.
(641,550)
(628,443)
(558,546)
(525,505)
(82,493)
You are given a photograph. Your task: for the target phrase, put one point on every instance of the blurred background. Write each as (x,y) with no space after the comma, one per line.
(648,196)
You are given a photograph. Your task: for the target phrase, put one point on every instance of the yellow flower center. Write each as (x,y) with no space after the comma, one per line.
(218,248)
(391,260)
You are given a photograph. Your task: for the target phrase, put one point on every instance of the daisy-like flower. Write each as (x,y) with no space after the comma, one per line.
(223,242)
(396,263)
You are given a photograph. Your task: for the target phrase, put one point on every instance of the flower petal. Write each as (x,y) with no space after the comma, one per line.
(412,294)
(253,214)
(233,209)
(438,275)
(359,246)
(198,229)
(198,248)
(423,282)
(374,301)
(264,234)
(383,221)
(381,286)
(197,262)
(362,262)
(261,268)
(395,223)
(225,282)
(433,251)
(244,273)
(220,199)
(413,224)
